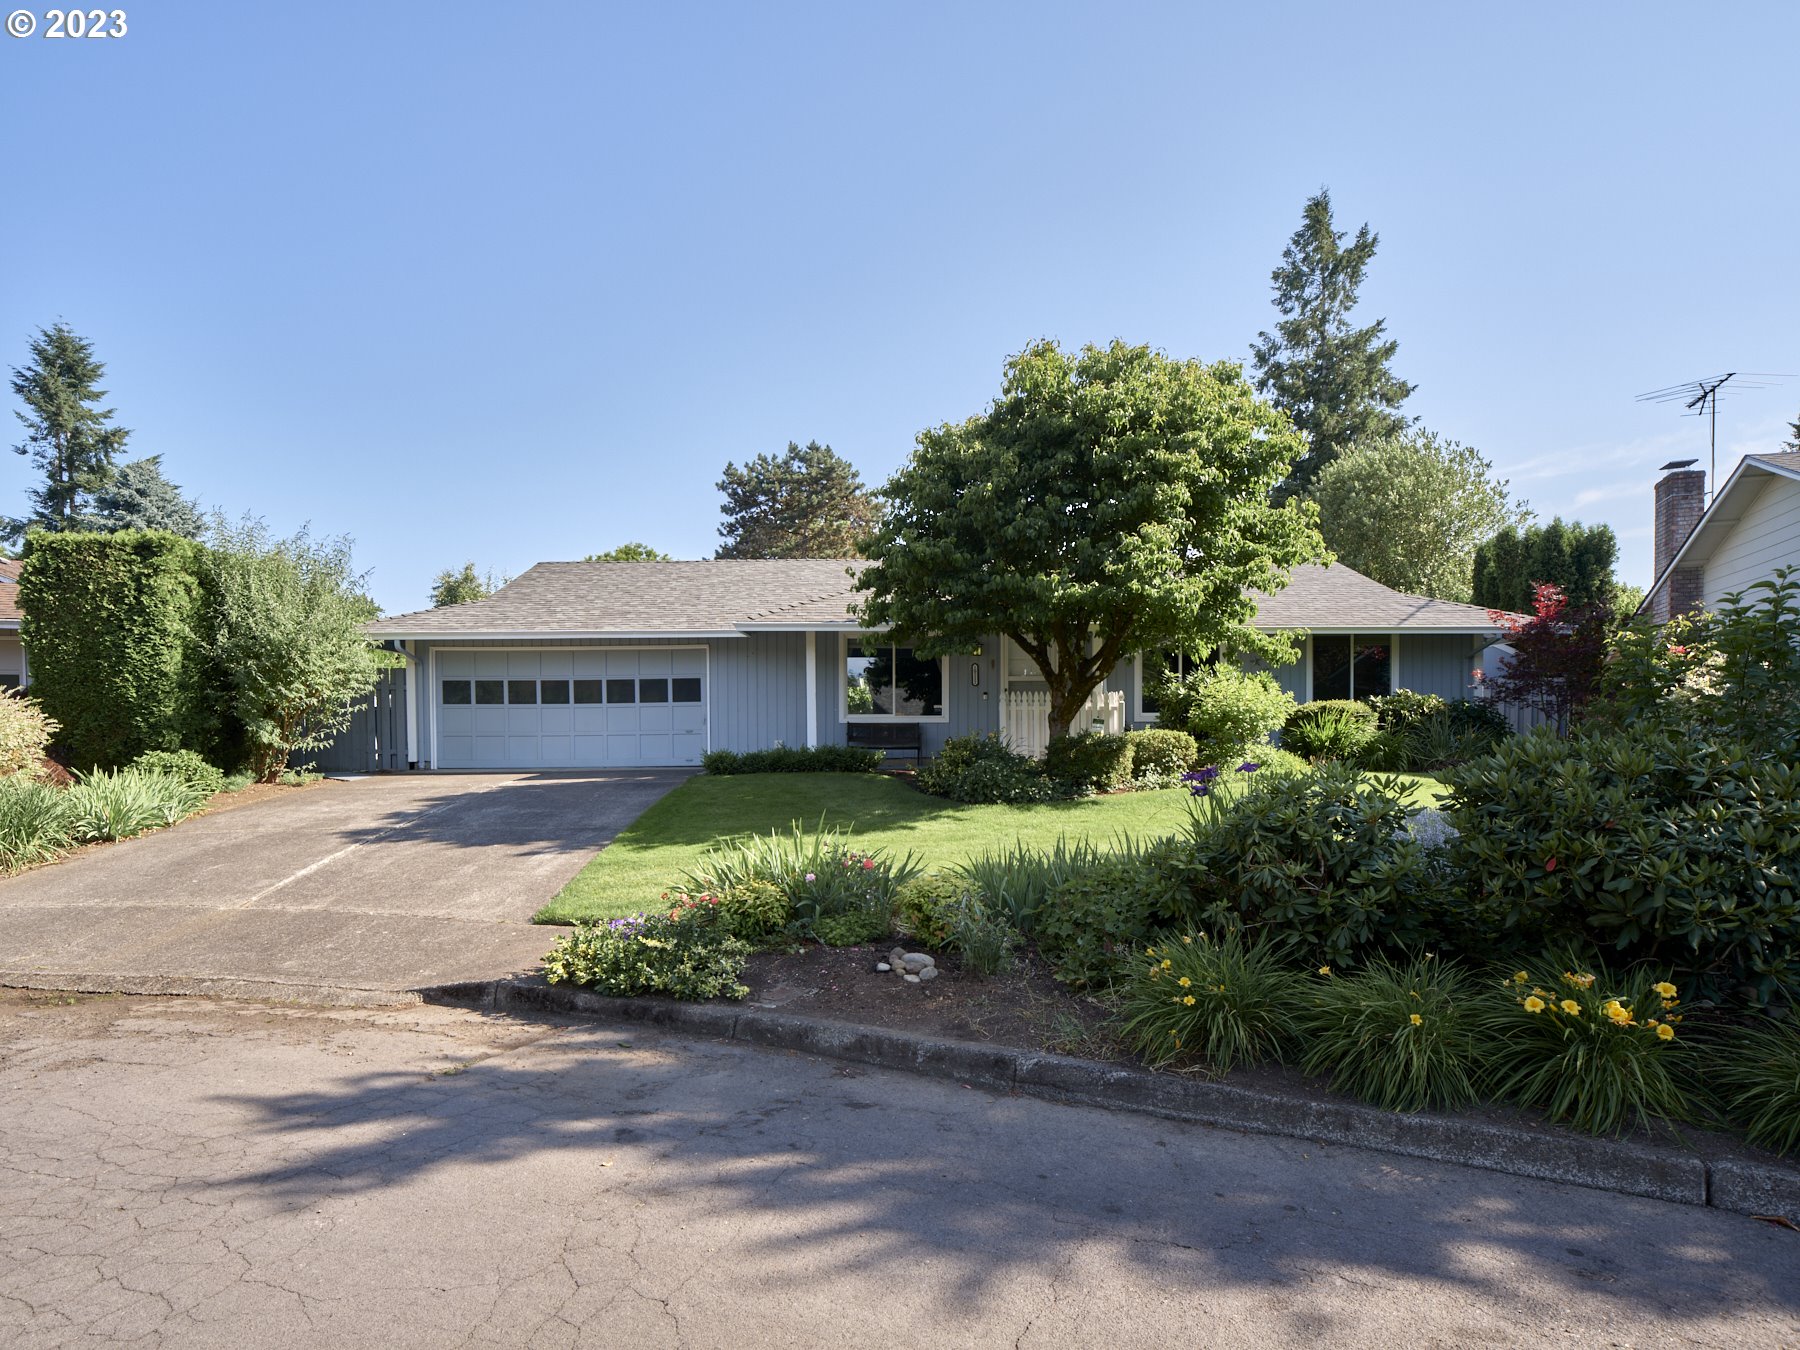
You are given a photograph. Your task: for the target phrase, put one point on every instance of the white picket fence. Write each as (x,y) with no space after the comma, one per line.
(1026,717)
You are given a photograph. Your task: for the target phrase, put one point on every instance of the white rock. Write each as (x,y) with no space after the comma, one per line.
(882,965)
(916,961)
(929,973)
(911,979)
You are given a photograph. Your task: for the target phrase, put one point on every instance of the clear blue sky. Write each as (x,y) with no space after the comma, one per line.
(510,282)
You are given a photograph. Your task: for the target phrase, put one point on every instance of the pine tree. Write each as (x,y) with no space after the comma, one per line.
(67,435)
(808,503)
(1792,444)
(1331,378)
(138,497)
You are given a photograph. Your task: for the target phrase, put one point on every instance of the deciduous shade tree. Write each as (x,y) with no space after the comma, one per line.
(807,503)
(286,634)
(1108,501)
(1557,656)
(68,435)
(1577,559)
(459,588)
(1331,377)
(629,552)
(1410,510)
(137,497)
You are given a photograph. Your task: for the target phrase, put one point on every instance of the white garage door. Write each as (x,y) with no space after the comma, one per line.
(595,708)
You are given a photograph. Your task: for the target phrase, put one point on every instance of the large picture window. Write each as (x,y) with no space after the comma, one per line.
(885,680)
(1346,665)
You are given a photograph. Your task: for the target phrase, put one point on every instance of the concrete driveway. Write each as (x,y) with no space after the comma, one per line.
(379,885)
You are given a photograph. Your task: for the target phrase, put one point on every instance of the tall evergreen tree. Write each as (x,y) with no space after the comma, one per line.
(138,497)
(69,437)
(1329,376)
(807,503)
(1577,559)
(1792,444)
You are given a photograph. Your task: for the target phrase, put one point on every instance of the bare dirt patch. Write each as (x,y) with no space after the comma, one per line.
(1025,1007)
(258,792)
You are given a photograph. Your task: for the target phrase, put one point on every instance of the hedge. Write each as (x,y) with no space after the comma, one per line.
(114,624)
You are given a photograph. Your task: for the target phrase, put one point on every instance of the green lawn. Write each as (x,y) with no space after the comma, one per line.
(632,872)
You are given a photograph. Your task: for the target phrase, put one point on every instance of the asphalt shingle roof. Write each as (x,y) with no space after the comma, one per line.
(9,593)
(562,599)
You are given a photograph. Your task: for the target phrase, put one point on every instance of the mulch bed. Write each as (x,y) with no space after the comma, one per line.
(1025,1008)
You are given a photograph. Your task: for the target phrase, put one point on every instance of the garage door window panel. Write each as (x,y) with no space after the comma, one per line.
(489,692)
(686,690)
(555,691)
(458,693)
(621,691)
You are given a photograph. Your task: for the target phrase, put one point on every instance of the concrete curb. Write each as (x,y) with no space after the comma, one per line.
(1573,1159)
(206,986)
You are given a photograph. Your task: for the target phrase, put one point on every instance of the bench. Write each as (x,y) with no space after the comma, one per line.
(888,736)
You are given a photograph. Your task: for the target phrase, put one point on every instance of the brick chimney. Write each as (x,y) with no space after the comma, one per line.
(1680,502)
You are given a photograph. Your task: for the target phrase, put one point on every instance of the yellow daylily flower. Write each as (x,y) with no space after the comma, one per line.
(1534,1004)
(1570,1006)
(1665,1032)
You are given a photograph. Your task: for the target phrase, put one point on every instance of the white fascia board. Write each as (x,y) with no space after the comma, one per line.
(1409,630)
(443,635)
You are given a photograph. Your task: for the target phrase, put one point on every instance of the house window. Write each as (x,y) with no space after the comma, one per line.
(1152,664)
(885,680)
(1346,665)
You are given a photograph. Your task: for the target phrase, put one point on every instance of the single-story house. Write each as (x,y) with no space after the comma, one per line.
(1749,531)
(15,668)
(579,664)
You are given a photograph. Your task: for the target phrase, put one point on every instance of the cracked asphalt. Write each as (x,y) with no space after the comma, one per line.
(196,1173)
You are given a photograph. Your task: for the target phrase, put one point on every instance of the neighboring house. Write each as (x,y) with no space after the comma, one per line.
(1704,553)
(623,664)
(15,669)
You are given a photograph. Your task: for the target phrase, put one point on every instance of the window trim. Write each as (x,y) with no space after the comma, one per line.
(845,716)
(1137,688)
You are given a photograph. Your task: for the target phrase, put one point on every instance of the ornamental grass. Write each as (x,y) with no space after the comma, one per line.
(1758,1082)
(1592,1048)
(1222,1001)
(1399,1035)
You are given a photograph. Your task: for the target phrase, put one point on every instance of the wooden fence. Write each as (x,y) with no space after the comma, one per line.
(1026,718)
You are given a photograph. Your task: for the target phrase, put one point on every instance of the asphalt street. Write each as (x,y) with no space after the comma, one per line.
(194,1173)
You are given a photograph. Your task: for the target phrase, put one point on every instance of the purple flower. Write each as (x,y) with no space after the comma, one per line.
(1249,766)
(1200,781)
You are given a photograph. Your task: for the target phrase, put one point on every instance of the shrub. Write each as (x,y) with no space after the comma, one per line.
(1398,1035)
(1729,676)
(756,911)
(1224,1001)
(818,872)
(34,822)
(1016,880)
(120,804)
(1161,753)
(1436,741)
(983,769)
(1589,1048)
(852,929)
(1405,708)
(186,765)
(924,904)
(981,936)
(1227,710)
(686,954)
(1093,922)
(1091,761)
(1665,849)
(1759,1081)
(25,732)
(116,627)
(1329,729)
(790,759)
(1325,864)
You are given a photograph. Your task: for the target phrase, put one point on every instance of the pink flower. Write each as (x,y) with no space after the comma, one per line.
(811,877)
(868,864)
(1550,865)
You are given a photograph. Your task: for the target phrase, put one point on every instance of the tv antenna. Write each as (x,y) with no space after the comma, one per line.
(1700,398)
